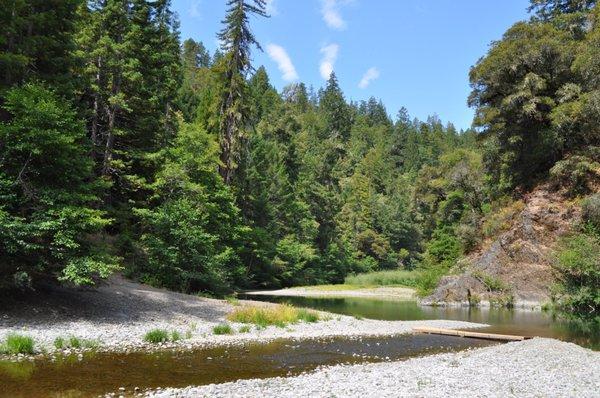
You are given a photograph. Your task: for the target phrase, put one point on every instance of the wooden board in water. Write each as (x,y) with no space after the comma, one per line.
(475,335)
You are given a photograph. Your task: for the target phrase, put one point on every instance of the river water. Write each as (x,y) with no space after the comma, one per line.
(501,320)
(99,373)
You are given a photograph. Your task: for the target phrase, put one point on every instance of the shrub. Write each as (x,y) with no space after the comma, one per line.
(223,328)
(279,315)
(578,265)
(156,336)
(590,210)
(491,283)
(576,174)
(384,278)
(18,344)
(498,219)
(429,279)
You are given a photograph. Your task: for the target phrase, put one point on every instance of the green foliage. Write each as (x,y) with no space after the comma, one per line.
(578,266)
(75,342)
(191,239)
(384,278)
(49,225)
(175,336)
(223,328)
(429,279)
(576,174)
(17,344)
(156,336)
(590,211)
(244,329)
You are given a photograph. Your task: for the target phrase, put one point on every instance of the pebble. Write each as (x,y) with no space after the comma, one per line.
(531,368)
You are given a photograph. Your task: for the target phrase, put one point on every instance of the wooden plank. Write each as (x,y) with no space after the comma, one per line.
(475,335)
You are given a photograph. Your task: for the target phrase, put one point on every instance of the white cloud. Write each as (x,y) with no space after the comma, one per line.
(330,9)
(195,9)
(330,53)
(370,75)
(284,63)
(272,8)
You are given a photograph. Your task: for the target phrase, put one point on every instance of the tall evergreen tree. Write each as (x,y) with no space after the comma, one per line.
(237,39)
(36,41)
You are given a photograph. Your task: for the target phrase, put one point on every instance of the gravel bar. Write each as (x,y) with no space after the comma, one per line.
(532,368)
(118,314)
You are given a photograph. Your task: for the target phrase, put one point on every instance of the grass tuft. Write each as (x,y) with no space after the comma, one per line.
(17,344)
(279,315)
(244,329)
(175,336)
(156,336)
(223,328)
(75,342)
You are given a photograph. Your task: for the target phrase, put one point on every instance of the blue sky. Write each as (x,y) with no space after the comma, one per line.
(412,53)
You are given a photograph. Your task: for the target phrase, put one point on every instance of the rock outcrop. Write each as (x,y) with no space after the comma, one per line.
(516,266)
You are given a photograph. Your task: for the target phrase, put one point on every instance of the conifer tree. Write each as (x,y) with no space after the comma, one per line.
(237,39)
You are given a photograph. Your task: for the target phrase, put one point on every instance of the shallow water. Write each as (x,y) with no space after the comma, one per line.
(505,321)
(102,372)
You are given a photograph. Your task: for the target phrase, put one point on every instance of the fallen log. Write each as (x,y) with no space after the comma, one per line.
(474,335)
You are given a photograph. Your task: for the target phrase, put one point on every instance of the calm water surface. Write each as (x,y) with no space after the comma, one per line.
(100,373)
(505,321)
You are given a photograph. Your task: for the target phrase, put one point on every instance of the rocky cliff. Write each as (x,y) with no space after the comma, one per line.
(515,267)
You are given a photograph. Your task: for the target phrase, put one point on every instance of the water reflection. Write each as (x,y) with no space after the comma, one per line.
(101,373)
(515,321)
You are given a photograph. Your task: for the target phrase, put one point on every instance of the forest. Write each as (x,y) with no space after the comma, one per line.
(124,148)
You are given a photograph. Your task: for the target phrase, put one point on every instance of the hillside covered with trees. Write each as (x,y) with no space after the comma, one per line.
(124,148)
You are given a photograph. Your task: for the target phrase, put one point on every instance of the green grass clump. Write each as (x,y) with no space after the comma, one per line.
(307,316)
(232,300)
(245,329)
(175,336)
(223,328)
(17,344)
(384,278)
(156,336)
(279,315)
(74,342)
(59,343)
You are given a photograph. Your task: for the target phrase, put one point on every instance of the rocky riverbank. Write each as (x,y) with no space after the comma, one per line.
(116,316)
(531,368)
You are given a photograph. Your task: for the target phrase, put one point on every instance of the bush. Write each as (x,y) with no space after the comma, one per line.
(429,279)
(578,265)
(384,278)
(590,211)
(279,315)
(498,218)
(18,344)
(223,328)
(576,174)
(48,212)
(156,336)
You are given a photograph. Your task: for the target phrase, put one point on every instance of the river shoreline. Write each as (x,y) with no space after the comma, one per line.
(532,368)
(117,316)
